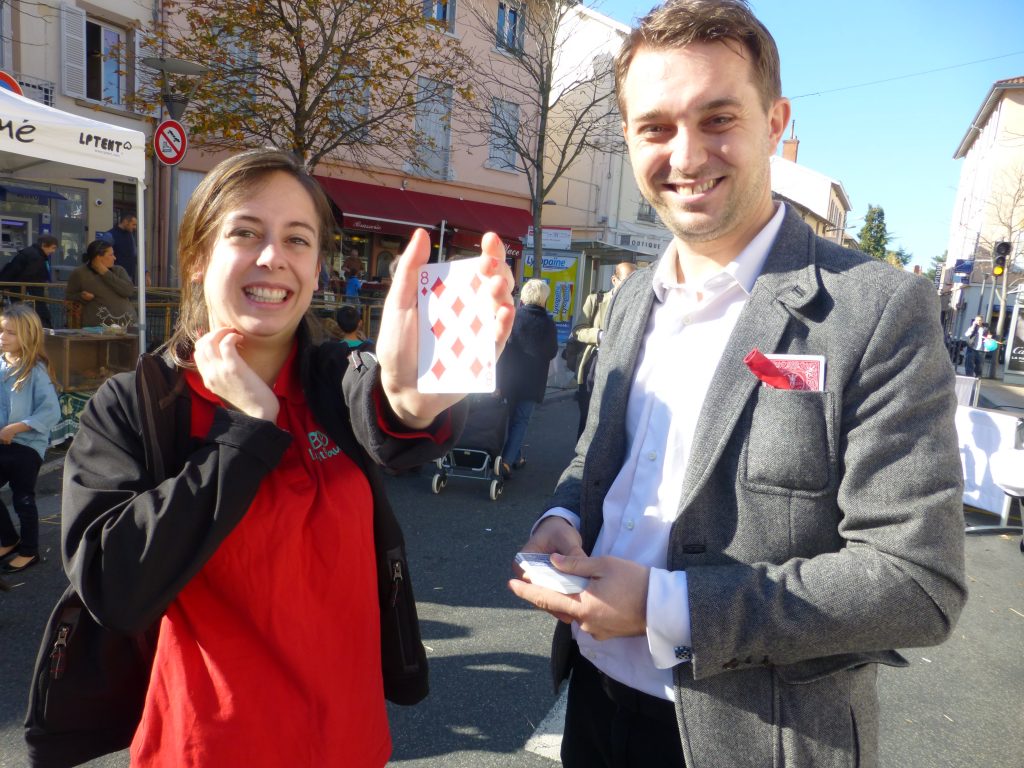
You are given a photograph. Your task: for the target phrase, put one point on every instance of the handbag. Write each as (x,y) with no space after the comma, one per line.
(88,687)
(89,682)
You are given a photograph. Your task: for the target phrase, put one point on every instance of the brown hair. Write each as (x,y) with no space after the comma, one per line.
(222,190)
(681,22)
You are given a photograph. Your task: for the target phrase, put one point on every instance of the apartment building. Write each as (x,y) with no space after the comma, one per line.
(595,212)
(820,201)
(86,58)
(989,209)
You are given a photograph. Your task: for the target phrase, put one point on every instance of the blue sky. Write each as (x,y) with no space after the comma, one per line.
(891,143)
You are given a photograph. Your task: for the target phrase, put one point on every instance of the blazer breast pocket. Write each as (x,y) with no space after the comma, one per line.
(790,444)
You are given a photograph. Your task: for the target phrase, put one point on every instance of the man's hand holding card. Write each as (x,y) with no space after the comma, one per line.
(443,328)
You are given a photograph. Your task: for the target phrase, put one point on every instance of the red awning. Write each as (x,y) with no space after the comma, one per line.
(396,211)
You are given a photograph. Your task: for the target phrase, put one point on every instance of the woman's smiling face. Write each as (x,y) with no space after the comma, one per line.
(264,263)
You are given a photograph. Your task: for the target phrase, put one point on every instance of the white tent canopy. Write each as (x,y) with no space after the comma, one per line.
(40,142)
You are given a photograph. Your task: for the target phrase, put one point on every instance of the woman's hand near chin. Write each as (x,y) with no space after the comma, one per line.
(226,374)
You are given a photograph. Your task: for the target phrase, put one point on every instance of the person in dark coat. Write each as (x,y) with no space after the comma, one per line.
(32,265)
(523,368)
(122,237)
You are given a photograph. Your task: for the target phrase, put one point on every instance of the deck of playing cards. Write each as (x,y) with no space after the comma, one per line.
(803,371)
(538,569)
(456,329)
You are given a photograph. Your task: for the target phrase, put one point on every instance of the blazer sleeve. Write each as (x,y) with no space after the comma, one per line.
(895,577)
(129,543)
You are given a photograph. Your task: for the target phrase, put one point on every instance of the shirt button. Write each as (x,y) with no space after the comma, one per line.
(652,456)
(687,319)
(629,525)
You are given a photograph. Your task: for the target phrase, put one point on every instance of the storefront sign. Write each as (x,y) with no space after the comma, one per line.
(1015,341)
(649,243)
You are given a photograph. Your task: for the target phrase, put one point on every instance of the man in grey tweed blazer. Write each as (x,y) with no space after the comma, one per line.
(753,553)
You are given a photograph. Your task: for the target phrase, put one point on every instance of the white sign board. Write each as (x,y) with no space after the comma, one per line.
(555,238)
(31,129)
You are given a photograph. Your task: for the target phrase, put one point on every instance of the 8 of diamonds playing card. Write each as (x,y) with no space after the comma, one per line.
(456,329)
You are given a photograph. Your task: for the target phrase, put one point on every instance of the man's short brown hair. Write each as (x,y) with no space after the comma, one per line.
(681,22)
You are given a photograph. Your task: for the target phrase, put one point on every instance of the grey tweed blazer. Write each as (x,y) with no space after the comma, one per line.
(819,530)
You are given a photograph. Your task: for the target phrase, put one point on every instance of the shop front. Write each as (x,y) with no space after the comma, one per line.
(377,222)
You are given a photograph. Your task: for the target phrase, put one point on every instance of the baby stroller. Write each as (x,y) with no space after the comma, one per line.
(478,452)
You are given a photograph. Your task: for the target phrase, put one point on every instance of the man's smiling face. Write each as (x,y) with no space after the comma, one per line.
(700,140)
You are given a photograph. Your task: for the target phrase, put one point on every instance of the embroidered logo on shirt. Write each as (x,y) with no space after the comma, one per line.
(320,447)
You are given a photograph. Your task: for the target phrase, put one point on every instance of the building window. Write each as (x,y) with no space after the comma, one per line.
(511,25)
(440,11)
(433,125)
(96,57)
(105,65)
(352,112)
(504,129)
(243,70)
(645,212)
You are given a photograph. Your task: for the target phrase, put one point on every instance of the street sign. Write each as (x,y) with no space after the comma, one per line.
(963,267)
(170,142)
(7,82)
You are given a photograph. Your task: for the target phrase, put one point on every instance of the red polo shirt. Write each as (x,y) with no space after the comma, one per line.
(270,656)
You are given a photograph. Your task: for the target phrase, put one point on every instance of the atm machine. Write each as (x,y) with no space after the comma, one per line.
(15,234)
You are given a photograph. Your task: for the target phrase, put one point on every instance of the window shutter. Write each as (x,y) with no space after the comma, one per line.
(72,51)
(144,47)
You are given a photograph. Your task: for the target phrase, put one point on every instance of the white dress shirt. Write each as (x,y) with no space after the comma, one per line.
(683,343)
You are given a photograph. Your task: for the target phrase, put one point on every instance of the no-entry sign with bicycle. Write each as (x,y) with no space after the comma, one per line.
(170,142)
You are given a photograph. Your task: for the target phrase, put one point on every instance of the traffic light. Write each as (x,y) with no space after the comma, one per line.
(1001,251)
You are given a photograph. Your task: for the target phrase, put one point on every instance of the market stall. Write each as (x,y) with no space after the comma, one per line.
(40,142)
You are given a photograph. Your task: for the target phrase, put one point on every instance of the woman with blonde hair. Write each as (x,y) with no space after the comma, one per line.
(267,556)
(28,411)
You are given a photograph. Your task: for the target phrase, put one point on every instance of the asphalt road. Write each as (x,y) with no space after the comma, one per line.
(957,706)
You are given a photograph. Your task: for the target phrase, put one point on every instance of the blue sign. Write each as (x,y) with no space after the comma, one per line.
(963,267)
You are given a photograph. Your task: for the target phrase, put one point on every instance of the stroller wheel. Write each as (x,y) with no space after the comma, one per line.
(438,482)
(496,489)
(497,465)
(439,463)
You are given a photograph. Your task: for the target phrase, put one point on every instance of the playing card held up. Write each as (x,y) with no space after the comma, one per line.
(457,329)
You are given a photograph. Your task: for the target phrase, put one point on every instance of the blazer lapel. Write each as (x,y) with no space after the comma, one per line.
(788,281)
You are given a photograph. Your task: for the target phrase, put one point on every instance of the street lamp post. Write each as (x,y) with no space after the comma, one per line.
(175,104)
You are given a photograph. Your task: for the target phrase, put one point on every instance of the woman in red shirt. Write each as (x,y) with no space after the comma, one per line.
(267,555)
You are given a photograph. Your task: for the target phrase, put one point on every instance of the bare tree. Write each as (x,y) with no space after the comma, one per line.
(326,79)
(1007,209)
(537,110)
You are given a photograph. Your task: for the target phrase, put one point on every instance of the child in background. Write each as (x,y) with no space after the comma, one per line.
(350,320)
(28,411)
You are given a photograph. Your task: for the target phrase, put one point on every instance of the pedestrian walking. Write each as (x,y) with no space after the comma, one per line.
(267,654)
(590,331)
(974,355)
(32,265)
(126,248)
(28,411)
(756,536)
(523,368)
